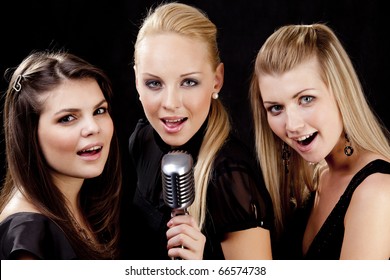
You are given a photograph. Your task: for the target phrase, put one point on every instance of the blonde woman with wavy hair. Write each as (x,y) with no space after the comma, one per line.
(324,154)
(179,76)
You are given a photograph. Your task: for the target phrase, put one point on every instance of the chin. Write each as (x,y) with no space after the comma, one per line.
(313,160)
(93,173)
(174,141)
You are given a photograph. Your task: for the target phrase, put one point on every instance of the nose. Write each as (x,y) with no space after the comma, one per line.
(90,127)
(171,99)
(294,120)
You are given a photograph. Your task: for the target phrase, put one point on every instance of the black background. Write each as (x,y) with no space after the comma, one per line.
(103,32)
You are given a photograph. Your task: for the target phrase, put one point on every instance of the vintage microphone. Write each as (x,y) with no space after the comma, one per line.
(178,182)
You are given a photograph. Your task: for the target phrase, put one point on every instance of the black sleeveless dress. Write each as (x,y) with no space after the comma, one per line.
(326,245)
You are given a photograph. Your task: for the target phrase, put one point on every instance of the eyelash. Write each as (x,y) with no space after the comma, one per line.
(105,110)
(308,97)
(191,82)
(66,119)
(69,118)
(154,84)
(271,109)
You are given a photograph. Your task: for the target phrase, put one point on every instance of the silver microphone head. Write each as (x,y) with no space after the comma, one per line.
(178,180)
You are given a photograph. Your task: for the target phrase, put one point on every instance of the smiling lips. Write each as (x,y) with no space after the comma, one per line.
(303,143)
(91,151)
(307,139)
(173,125)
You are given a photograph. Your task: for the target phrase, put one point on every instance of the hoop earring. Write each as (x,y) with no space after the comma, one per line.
(215,95)
(348,150)
(286,156)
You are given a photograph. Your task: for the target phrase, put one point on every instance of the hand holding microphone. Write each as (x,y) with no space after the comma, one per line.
(179,193)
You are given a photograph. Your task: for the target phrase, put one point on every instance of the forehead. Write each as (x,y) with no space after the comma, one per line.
(72,94)
(304,76)
(171,47)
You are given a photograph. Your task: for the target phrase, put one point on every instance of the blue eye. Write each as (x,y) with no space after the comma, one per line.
(306,99)
(275,109)
(189,83)
(153,84)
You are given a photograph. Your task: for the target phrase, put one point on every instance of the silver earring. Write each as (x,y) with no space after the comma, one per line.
(348,150)
(215,95)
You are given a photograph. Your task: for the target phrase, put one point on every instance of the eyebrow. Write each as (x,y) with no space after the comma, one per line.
(67,110)
(182,75)
(190,73)
(294,96)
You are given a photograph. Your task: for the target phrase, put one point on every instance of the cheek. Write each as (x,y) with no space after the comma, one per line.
(277,125)
(108,127)
(149,103)
(200,106)
(331,118)
(205,103)
(55,147)
(54,142)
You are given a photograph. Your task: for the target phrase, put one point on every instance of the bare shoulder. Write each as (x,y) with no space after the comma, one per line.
(17,203)
(374,189)
(367,220)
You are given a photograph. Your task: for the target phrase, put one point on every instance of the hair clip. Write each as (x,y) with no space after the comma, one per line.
(17,85)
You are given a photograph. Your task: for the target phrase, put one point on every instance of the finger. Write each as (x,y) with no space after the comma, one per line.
(185,229)
(193,245)
(189,249)
(183,219)
(185,254)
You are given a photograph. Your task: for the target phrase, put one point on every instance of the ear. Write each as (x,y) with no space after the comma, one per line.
(219,76)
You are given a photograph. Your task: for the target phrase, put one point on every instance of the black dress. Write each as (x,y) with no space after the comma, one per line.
(237,198)
(326,245)
(36,234)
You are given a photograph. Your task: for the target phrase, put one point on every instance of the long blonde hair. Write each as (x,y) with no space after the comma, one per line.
(191,22)
(285,49)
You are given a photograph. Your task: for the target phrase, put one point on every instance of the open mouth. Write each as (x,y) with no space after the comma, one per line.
(174,123)
(306,140)
(90,151)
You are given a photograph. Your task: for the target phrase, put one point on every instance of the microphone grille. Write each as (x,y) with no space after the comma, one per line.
(178,179)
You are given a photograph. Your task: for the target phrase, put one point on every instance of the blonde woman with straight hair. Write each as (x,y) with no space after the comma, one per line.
(179,76)
(324,154)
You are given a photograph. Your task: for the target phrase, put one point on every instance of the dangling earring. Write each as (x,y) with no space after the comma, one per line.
(348,150)
(215,95)
(286,156)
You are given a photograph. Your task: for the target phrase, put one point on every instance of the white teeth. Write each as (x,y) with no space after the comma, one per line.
(92,149)
(304,137)
(173,121)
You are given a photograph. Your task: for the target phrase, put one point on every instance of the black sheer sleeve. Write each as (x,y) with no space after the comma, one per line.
(238,198)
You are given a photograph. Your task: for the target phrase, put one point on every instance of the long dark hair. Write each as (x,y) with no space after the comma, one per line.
(27,168)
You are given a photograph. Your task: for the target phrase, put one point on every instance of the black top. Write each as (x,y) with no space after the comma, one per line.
(326,245)
(237,198)
(34,233)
